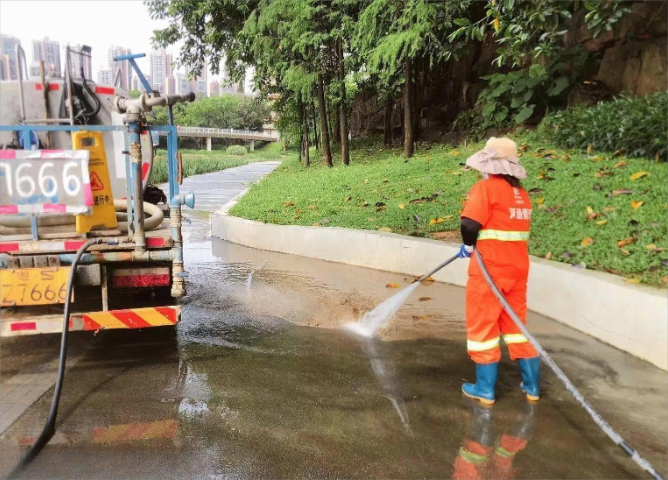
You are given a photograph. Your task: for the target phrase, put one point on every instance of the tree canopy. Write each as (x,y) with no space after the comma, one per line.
(311,57)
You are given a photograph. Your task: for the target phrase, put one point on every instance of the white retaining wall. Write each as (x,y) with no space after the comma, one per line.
(630,317)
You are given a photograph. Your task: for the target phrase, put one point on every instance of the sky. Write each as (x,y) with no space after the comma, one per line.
(97,23)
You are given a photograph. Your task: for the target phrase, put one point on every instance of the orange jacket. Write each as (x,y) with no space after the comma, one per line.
(505,215)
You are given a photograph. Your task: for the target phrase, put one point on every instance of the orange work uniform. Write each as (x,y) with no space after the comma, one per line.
(505,214)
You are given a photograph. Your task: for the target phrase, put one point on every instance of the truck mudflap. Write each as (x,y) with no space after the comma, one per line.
(146,317)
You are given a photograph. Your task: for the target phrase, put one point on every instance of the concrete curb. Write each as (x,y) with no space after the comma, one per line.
(629,317)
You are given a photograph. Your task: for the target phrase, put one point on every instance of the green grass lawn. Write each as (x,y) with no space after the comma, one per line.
(583,204)
(196,162)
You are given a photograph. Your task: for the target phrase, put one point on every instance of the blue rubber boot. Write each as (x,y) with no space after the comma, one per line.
(530,370)
(485,381)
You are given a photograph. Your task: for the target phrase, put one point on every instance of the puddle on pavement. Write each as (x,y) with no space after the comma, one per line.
(245,388)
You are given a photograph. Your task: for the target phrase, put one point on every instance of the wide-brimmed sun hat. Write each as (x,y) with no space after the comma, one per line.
(499,157)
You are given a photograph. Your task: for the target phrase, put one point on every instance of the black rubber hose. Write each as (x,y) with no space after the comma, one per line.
(50,425)
(572,389)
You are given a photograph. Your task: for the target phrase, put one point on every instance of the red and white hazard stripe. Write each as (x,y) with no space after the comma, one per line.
(31,247)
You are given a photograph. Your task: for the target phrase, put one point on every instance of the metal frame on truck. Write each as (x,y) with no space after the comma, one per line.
(134,260)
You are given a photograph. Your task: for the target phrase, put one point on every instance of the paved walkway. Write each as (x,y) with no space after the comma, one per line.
(217,188)
(19,391)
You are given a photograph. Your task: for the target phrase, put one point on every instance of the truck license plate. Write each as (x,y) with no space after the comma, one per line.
(33,286)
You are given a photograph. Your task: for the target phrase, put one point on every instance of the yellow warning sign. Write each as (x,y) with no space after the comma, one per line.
(104,213)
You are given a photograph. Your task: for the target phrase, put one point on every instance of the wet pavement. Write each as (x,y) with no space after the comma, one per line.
(257,382)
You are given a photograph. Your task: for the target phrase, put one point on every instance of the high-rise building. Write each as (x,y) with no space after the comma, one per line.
(135,84)
(161,68)
(182,84)
(170,85)
(9,65)
(123,66)
(105,77)
(80,56)
(47,51)
(214,89)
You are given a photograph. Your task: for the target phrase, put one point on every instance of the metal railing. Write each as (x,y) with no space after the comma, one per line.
(226,133)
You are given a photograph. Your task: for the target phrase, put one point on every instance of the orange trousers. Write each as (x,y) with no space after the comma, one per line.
(487,321)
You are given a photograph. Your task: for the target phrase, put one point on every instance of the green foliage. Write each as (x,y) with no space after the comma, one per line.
(529,31)
(511,98)
(633,126)
(134,93)
(197,162)
(227,111)
(380,190)
(235,150)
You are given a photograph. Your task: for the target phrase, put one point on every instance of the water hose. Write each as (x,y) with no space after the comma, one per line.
(427,275)
(603,425)
(50,425)
(16,225)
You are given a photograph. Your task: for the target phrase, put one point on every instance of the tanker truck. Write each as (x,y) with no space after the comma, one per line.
(75,205)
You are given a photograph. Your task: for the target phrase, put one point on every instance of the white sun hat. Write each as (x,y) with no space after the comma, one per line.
(499,157)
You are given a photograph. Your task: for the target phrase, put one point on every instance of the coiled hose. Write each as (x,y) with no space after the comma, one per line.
(16,225)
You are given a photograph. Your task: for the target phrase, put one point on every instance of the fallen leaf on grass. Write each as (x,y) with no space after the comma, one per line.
(540,200)
(625,242)
(311,207)
(366,180)
(385,229)
(603,173)
(371,219)
(621,163)
(434,221)
(457,172)
(633,280)
(402,206)
(288,204)
(587,241)
(623,191)
(637,204)
(590,148)
(625,251)
(638,175)
(347,199)
(601,222)
(548,255)
(651,246)
(608,209)
(392,285)
(318,224)
(424,299)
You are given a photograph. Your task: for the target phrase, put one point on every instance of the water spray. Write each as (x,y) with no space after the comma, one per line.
(369,324)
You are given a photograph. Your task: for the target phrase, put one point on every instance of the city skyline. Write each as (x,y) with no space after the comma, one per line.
(127,24)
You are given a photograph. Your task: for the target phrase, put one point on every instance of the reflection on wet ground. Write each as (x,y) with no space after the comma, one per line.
(238,391)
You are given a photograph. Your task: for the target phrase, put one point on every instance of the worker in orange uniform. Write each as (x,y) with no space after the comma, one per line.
(496,221)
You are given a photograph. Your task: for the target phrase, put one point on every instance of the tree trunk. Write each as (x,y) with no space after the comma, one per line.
(387,131)
(305,138)
(408,108)
(337,124)
(324,128)
(345,154)
(316,138)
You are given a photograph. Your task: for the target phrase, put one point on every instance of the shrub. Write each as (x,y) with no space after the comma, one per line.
(235,150)
(634,126)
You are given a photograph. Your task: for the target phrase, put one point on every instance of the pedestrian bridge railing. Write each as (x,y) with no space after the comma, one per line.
(202,132)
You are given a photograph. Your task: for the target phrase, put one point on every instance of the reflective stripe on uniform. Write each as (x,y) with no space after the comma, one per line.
(471,457)
(503,235)
(472,346)
(514,338)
